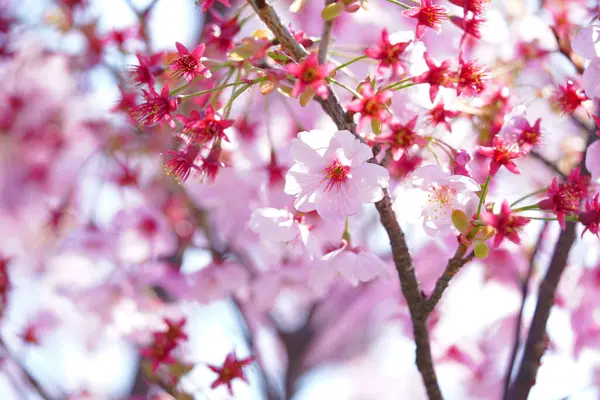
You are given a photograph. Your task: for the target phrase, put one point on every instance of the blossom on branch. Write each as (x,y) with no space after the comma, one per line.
(331,174)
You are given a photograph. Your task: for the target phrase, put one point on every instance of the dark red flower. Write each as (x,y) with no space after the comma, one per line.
(309,73)
(565,198)
(471,26)
(121,36)
(405,165)
(188,64)
(160,351)
(401,137)
(148,68)
(590,218)
(438,75)
(568,97)
(428,15)
(471,77)
(231,369)
(502,154)
(181,163)
(506,223)
(126,102)
(477,7)
(5,283)
(388,54)
(158,107)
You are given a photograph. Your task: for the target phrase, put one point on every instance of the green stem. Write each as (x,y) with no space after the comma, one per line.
(348,88)
(405,6)
(527,208)
(344,65)
(393,85)
(232,99)
(553,219)
(527,196)
(200,93)
(484,192)
(346,234)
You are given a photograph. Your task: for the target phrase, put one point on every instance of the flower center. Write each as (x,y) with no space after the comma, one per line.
(336,174)
(441,200)
(309,75)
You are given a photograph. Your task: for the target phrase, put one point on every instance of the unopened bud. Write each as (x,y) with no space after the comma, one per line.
(306,96)
(461,221)
(332,11)
(376,125)
(481,250)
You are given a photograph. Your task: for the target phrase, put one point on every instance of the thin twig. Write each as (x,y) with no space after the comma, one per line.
(548,163)
(454,265)
(33,383)
(524,294)
(325,36)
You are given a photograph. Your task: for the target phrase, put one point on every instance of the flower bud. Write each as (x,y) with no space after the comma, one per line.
(332,11)
(481,250)
(306,96)
(376,125)
(461,221)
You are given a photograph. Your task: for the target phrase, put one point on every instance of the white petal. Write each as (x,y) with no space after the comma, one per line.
(337,204)
(318,140)
(304,154)
(591,78)
(428,174)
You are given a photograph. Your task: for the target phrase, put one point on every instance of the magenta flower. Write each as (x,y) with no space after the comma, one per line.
(148,68)
(437,76)
(568,97)
(188,64)
(310,74)
(590,218)
(506,223)
(158,107)
(502,154)
(372,105)
(331,174)
(471,77)
(390,55)
(207,4)
(401,137)
(209,127)
(428,15)
(564,199)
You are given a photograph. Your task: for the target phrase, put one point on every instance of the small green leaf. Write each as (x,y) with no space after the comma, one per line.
(376,126)
(481,250)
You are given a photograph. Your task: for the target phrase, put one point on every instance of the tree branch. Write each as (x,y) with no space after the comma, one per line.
(31,381)
(537,340)
(401,255)
(454,265)
(524,293)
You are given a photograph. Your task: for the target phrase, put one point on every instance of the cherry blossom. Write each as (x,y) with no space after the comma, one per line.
(331,174)
(507,225)
(231,369)
(353,264)
(441,194)
(188,63)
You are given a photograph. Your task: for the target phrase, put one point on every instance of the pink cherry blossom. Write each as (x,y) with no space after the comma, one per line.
(354,264)
(444,193)
(275,225)
(331,174)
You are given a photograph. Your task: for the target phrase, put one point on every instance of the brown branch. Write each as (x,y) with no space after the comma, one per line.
(412,293)
(401,255)
(454,265)
(524,293)
(537,340)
